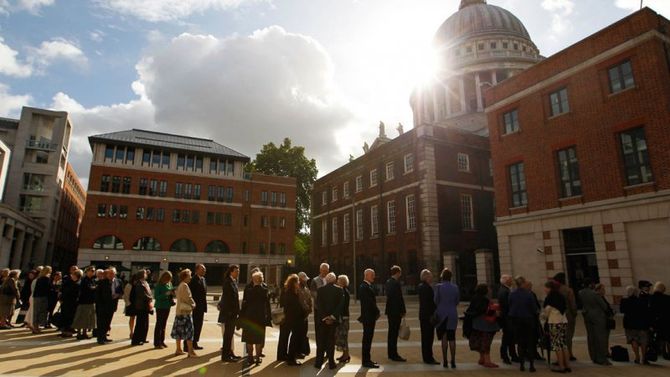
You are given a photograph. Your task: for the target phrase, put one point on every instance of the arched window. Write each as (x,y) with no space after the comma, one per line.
(108,242)
(217,247)
(183,245)
(147,243)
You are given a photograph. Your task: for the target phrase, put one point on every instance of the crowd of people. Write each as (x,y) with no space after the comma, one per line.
(89,299)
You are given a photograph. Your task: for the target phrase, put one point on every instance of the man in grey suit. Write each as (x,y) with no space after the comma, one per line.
(595,318)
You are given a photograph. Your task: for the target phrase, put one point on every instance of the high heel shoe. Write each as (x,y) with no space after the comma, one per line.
(453,365)
(344,360)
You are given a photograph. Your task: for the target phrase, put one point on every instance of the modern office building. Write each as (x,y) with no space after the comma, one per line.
(580,145)
(70,216)
(165,202)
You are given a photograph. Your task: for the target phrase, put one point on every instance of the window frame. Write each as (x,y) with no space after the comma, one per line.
(463,162)
(518,169)
(569,165)
(620,77)
(637,165)
(513,125)
(467,212)
(562,103)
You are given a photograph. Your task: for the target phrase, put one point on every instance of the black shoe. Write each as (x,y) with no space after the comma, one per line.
(522,367)
(235,357)
(318,365)
(572,358)
(532,369)
(398,358)
(107,340)
(229,359)
(370,365)
(431,362)
(506,360)
(101,342)
(293,363)
(515,359)
(332,365)
(261,355)
(453,365)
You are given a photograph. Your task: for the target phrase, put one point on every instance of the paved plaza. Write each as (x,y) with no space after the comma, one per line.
(24,354)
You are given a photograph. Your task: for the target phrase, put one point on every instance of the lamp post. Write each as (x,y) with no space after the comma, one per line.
(354,237)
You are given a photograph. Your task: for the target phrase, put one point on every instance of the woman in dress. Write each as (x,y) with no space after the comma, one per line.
(40,303)
(164,295)
(636,324)
(342,331)
(254,317)
(294,316)
(129,310)
(484,324)
(447,297)
(142,301)
(84,317)
(54,294)
(26,292)
(182,328)
(69,302)
(9,296)
(554,313)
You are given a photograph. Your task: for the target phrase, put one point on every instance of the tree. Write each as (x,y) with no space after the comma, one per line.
(301,245)
(290,161)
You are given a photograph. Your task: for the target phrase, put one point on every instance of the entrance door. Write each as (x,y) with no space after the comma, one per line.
(580,257)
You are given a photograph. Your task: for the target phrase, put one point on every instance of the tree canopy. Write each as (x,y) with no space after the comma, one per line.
(289,160)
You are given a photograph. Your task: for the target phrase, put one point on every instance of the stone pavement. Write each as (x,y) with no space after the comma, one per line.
(24,354)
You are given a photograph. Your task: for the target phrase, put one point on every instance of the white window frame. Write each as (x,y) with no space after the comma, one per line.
(390,173)
(359,183)
(334,195)
(463,162)
(408,163)
(410,212)
(324,198)
(345,190)
(467,212)
(360,231)
(374,221)
(324,232)
(390,217)
(373,178)
(334,231)
(346,228)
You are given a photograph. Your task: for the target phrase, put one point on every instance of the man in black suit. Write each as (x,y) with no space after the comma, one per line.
(507,348)
(117,290)
(104,307)
(229,310)
(198,287)
(329,301)
(369,315)
(395,310)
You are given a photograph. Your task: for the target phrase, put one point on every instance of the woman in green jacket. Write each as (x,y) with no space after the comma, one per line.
(164,296)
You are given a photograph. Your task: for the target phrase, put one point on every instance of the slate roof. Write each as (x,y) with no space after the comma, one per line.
(9,123)
(168,141)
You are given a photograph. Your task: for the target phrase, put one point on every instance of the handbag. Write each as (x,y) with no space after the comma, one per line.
(277,314)
(404,331)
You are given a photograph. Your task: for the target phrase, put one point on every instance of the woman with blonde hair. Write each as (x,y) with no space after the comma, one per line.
(182,328)
(294,316)
(254,317)
(164,296)
(40,304)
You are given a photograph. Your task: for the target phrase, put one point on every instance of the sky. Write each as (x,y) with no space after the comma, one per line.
(247,72)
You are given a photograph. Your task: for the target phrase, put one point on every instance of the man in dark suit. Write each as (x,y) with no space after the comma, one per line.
(507,348)
(395,310)
(104,307)
(369,315)
(117,291)
(198,287)
(229,310)
(329,301)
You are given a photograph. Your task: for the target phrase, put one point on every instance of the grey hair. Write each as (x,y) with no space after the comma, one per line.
(504,279)
(344,279)
(326,265)
(631,291)
(257,274)
(367,271)
(659,287)
(302,275)
(424,273)
(331,278)
(99,271)
(113,269)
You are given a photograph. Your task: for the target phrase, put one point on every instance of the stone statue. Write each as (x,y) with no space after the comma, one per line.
(382,131)
(366,147)
(400,129)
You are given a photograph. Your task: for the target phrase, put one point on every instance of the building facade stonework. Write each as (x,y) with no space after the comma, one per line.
(581,160)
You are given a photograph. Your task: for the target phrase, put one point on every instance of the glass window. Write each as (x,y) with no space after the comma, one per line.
(144,186)
(410,212)
(511,121)
(231,168)
(345,190)
(466,212)
(264,197)
(150,213)
(359,224)
(390,216)
(139,215)
(212,166)
(568,169)
(198,163)
(390,173)
(210,218)
(190,162)
(324,232)
(217,247)
(166,160)
(359,183)
(178,190)
(108,242)
(188,190)
(211,193)
(409,163)
(282,199)
(42,157)
(116,183)
(146,157)
(160,214)
(229,194)
(195,217)
(373,177)
(176,216)
(109,153)
(517,179)
(120,155)
(163,189)
(218,218)
(196,192)
(227,219)
(181,161)
(185,216)
(333,194)
(346,227)
(463,162)
(126,185)
(334,231)
(621,77)
(130,155)
(153,187)
(147,243)
(637,167)
(102,210)
(123,212)
(156,159)
(559,102)
(220,193)
(105,183)
(374,221)
(183,245)
(324,198)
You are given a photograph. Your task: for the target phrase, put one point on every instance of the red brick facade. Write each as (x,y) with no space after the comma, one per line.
(70,215)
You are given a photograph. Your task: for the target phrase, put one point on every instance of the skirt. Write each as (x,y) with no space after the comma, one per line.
(480,341)
(129,311)
(252,332)
(84,317)
(559,336)
(40,311)
(7,306)
(29,315)
(342,335)
(182,328)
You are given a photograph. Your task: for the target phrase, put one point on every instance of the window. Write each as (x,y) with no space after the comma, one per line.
(466,212)
(282,248)
(511,121)
(227,219)
(273,199)
(220,193)
(116,184)
(105,182)
(120,155)
(210,218)
(163,189)
(229,194)
(217,247)
(176,216)
(150,213)
(346,227)
(359,224)
(231,168)
(42,157)
(334,194)
(156,159)
(389,171)
(196,192)
(324,198)
(190,162)
(334,231)
(282,199)
(324,232)
(505,45)
(409,163)
(621,77)
(635,157)
(568,169)
(373,177)
(261,248)
(265,221)
(146,157)
(113,210)
(211,193)
(463,162)
(374,221)
(559,102)
(178,190)
(108,242)
(126,185)
(212,166)
(517,179)
(153,187)
(494,45)
(109,153)
(183,245)
(130,156)
(480,46)
(160,214)
(410,212)
(264,198)
(139,215)
(123,212)
(218,218)
(181,162)
(390,216)
(185,216)
(166,160)
(188,190)
(345,190)
(102,210)
(144,185)
(198,164)
(359,183)
(147,243)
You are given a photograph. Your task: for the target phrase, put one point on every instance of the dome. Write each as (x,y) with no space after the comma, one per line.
(477,18)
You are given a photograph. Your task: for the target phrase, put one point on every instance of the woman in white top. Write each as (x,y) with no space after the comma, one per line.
(555,306)
(183,329)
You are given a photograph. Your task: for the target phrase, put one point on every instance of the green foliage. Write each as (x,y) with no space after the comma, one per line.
(301,246)
(289,160)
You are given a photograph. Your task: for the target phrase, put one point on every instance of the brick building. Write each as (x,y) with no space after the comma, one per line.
(421,200)
(580,146)
(70,215)
(166,202)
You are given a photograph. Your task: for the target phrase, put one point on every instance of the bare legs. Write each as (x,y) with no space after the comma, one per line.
(131,325)
(189,346)
(451,346)
(563,359)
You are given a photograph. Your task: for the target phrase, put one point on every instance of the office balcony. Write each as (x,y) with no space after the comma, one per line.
(44,145)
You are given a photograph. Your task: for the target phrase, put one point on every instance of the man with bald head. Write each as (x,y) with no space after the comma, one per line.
(316,283)
(369,314)
(198,287)
(330,300)
(507,348)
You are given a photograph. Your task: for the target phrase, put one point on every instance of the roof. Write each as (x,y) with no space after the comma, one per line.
(9,123)
(168,141)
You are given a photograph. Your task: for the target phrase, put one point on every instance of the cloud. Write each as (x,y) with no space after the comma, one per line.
(561,11)
(661,6)
(10,104)
(97,36)
(33,6)
(166,10)
(10,65)
(242,91)
(55,50)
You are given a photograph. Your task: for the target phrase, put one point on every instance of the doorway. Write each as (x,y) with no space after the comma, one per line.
(580,257)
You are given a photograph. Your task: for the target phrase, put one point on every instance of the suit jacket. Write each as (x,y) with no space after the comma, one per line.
(594,307)
(329,301)
(447,297)
(395,303)
(117,291)
(426,301)
(314,285)
(198,288)
(104,303)
(368,298)
(503,301)
(229,305)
